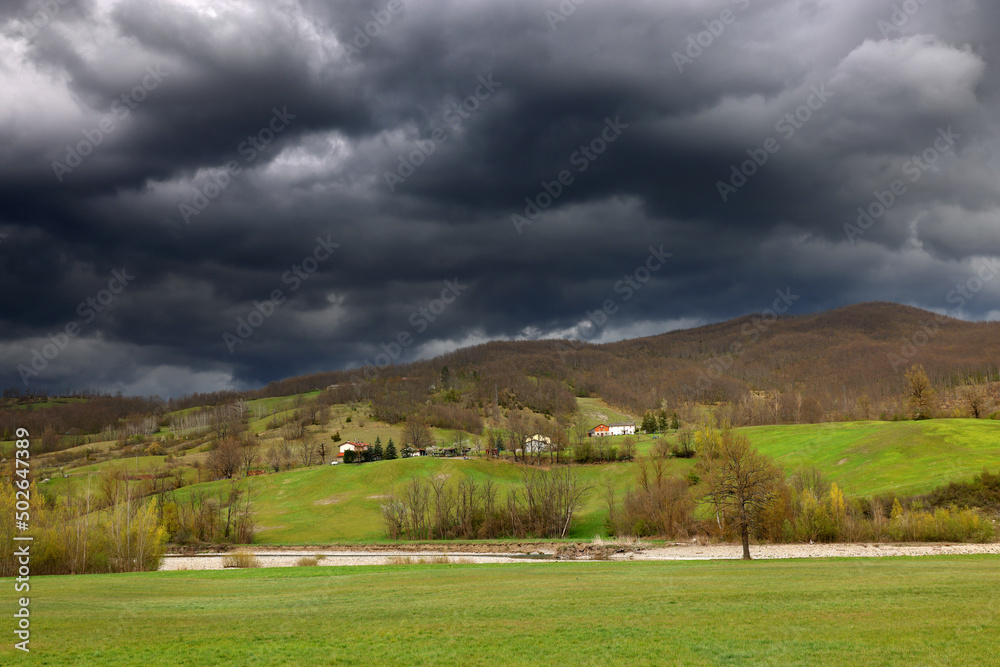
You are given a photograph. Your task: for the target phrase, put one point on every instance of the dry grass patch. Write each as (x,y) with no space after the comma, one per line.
(623,542)
(308,561)
(240,559)
(424,560)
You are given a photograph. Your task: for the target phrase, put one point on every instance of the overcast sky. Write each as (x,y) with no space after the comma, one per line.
(429,174)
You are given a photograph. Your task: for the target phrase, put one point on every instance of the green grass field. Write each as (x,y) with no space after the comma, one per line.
(342,503)
(907,611)
(879,457)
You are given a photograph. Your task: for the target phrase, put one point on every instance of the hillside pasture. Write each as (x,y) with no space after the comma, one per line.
(885,457)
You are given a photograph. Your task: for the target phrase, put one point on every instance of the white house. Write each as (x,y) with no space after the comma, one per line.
(353,446)
(622,428)
(536,444)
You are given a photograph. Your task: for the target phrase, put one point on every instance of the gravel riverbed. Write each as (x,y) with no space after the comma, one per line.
(290,557)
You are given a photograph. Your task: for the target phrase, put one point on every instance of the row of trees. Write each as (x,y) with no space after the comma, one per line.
(659,422)
(541,505)
(114,523)
(77,535)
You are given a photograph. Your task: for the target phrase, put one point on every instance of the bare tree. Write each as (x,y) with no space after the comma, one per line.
(458,441)
(865,406)
(287,455)
(109,481)
(416,434)
(628,448)
(293,430)
(495,438)
(306,448)
(249,451)
(741,483)
(919,392)
(517,433)
(975,399)
(274,457)
(225,459)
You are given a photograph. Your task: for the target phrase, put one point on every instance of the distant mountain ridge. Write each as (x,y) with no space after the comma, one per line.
(839,364)
(835,357)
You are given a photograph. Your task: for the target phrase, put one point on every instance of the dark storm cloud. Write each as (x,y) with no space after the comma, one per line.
(531,154)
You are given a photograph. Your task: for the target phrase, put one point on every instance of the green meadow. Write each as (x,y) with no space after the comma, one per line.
(325,504)
(342,503)
(885,457)
(906,611)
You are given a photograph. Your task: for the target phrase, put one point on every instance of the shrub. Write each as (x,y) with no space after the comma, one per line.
(684,449)
(659,506)
(308,561)
(240,559)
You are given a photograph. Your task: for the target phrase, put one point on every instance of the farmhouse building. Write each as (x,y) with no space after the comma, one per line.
(536,444)
(621,428)
(353,446)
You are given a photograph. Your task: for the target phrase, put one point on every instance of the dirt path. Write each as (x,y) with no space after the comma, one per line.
(545,553)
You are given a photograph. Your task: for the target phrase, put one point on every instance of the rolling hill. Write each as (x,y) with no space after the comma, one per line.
(342,503)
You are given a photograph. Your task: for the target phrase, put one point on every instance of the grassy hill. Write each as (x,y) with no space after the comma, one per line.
(341,503)
(878,457)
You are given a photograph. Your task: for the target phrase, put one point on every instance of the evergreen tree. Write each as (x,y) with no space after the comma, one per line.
(649,423)
(377,448)
(662,421)
(675,423)
(390,451)
(349,456)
